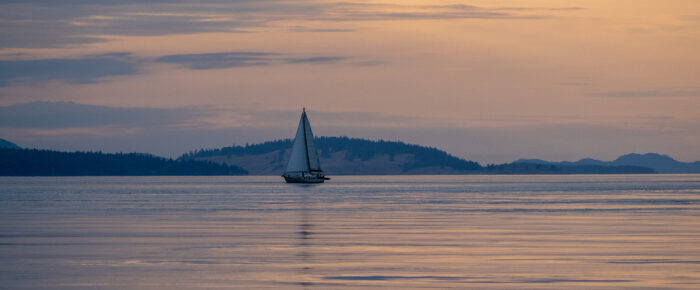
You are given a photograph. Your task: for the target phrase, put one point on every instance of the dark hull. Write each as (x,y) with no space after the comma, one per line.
(305,179)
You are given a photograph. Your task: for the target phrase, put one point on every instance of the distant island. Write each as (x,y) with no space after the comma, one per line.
(658,162)
(339,156)
(33,162)
(352,156)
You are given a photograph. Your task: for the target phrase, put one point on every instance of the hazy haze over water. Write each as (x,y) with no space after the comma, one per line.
(622,231)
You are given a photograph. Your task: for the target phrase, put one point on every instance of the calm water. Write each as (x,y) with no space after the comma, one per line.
(401,232)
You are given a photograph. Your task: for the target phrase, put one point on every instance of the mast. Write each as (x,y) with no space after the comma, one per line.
(306,145)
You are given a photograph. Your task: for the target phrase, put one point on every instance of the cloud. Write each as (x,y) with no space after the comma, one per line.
(308,29)
(221,60)
(574,8)
(40,24)
(349,11)
(680,92)
(69,115)
(149,24)
(94,68)
(316,60)
(88,69)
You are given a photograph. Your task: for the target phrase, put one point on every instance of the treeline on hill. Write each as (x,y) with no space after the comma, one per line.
(423,157)
(354,149)
(33,162)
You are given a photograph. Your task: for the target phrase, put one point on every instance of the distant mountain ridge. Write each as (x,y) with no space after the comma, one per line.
(658,162)
(352,156)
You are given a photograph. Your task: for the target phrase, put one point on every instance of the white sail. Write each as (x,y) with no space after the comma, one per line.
(299,159)
(304,166)
(314,164)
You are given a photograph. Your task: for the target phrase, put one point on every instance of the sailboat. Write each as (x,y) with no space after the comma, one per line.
(304,166)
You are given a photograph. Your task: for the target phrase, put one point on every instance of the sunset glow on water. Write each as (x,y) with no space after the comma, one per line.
(584,232)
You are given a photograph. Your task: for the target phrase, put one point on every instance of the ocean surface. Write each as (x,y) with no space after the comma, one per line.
(398,232)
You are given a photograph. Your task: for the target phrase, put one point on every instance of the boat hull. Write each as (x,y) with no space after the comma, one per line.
(304,179)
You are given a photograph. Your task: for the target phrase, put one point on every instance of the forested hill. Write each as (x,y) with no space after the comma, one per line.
(33,162)
(7,144)
(341,155)
(352,156)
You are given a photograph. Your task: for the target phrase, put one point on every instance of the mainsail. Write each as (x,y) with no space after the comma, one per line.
(304,158)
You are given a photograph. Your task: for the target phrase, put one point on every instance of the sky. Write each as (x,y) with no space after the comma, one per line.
(489,81)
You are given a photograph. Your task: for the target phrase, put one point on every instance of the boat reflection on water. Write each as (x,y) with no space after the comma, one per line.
(304,240)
